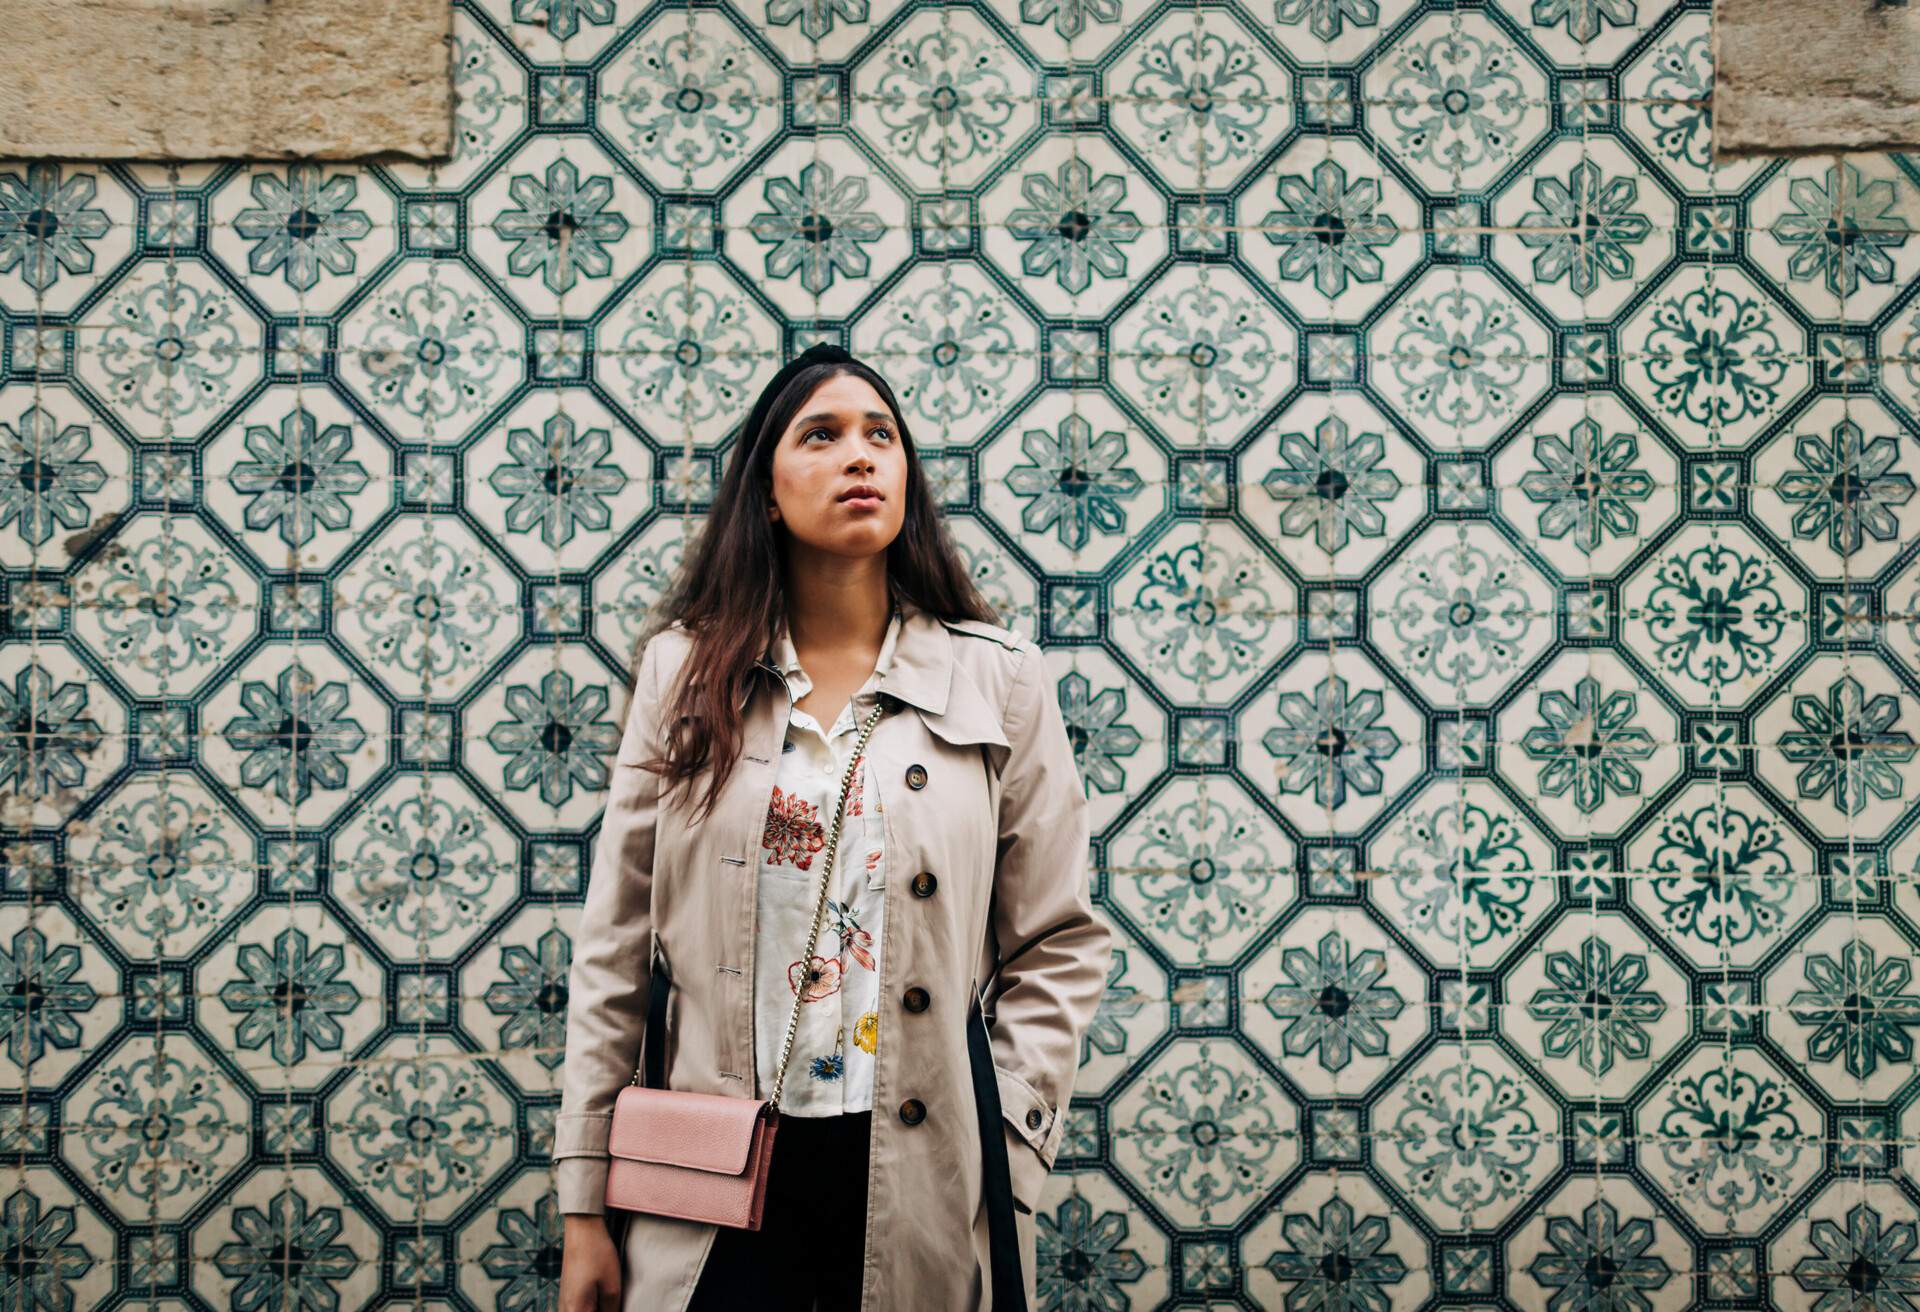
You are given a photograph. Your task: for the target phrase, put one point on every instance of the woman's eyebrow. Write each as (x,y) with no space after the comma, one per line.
(826,417)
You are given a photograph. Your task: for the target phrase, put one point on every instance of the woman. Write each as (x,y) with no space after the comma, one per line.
(961,872)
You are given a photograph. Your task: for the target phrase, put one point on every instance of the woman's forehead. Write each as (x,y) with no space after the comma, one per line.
(844,392)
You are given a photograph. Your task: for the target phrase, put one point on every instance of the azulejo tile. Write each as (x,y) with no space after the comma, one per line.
(1589,1052)
(1463,873)
(1459,359)
(79,467)
(1203,612)
(1735,1188)
(1626,225)
(1764,349)
(1199,99)
(1851,439)
(1318,183)
(1332,483)
(169,650)
(1804,745)
(210,880)
(1715,667)
(1078,478)
(295,477)
(430,351)
(561,226)
(774,229)
(108,1106)
(1337,1004)
(1849,956)
(492,102)
(956,350)
(1075,223)
(1204,1131)
(71,226)
(550,481)
(1461,614)
(556,31)
(1202,869)
(943,99)
(1468,1136)
(1094,1245)
(1596,1236)
(1322,699)
(1449,137)
(168,348)
(1202,353)
(242,983)
(1872,196)
(1588,741)
(1337,1235)
(303,236)
(79,736)
(1721,875)
(1844,1223)
(1590,483)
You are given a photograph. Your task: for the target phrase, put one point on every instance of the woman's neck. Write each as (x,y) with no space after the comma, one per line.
(824,613)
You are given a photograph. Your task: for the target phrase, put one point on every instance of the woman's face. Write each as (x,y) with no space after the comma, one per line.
(843,437)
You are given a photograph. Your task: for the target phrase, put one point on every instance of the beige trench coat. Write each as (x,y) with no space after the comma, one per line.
(1000,820)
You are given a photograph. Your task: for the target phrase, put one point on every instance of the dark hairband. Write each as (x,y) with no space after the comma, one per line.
(818,353)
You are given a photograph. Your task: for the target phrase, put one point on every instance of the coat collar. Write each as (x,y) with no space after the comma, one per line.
(922,672)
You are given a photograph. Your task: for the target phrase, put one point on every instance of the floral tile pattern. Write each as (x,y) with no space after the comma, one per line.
(1474,531)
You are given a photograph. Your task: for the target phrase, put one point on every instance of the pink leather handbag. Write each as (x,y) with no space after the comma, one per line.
(705,1156)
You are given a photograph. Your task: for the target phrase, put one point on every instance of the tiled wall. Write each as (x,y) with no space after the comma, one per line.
(1474,533)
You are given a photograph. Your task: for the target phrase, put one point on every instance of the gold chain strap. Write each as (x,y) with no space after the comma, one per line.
(820,906)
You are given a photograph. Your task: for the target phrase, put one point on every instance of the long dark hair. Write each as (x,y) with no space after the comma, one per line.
(729,588)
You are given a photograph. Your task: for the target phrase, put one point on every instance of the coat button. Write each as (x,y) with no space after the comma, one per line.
(913,1111)
(916,775)
(915,998)
(924,883)
(1034,1118)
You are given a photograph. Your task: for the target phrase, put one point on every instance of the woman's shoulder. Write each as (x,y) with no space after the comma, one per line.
(993,657)
(666,649)
(998,634)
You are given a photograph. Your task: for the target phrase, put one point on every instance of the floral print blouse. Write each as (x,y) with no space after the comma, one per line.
(837,1034)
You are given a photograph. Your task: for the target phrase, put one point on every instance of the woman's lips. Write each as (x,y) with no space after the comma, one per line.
(862,503)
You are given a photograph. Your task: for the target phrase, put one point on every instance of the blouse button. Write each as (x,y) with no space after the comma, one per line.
(915,999)
(913,1111)
(924,884)
(916,775)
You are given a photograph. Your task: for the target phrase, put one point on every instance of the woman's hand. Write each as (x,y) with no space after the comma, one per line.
(589,1266)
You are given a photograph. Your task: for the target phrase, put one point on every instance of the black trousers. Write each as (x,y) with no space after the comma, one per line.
(806,1255)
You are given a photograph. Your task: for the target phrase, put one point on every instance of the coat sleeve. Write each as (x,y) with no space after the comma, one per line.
(1053,949)
(608,982)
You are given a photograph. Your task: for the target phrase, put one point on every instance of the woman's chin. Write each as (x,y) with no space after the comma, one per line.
(855,540)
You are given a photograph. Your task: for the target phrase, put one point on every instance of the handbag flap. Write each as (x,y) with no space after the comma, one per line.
(703,1131)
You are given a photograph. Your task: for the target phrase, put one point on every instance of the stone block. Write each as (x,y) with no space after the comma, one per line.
(1805,75)
(221,79)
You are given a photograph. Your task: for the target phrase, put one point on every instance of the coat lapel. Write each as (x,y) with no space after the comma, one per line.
(925,676)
